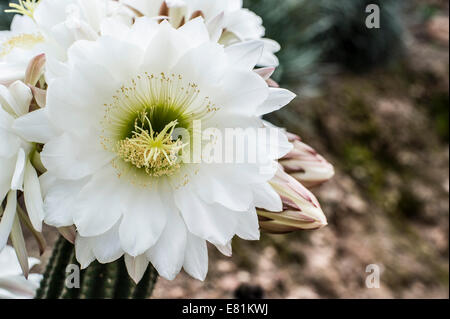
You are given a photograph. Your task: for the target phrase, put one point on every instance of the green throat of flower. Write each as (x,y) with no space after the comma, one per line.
(157,153)
(140,122)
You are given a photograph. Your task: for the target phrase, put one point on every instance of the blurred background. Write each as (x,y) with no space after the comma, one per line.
(374,102)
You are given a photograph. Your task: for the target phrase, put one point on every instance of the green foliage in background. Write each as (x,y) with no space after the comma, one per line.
(319,33)
(5,18)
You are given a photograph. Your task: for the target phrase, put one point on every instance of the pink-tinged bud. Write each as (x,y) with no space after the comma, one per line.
(266,73)
(35,70)
(33,74)
(69,233)
(305,164)
(39,95)
(301,209)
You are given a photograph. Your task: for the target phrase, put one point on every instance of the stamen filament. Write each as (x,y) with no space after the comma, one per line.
(24,7)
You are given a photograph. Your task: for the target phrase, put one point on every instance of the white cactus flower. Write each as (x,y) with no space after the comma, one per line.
(115,170)
(51,27)
(17,47)
(17,172)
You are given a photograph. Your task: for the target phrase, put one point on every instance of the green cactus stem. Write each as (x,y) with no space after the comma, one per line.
(98,281)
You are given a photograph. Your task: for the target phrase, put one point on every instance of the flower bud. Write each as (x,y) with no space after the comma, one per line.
(266,74)
(301,210)
(305,164)
(35,70)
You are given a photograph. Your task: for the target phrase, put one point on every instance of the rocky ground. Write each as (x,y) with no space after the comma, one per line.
(387,134)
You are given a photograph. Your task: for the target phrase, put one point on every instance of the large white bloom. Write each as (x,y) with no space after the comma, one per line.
(51,27)
(13,284)
(114,170)
(17,47)
(227,21)
(16,152)
(62,22)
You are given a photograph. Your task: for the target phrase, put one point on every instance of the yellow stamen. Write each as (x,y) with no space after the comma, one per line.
(157,153)
(24,7)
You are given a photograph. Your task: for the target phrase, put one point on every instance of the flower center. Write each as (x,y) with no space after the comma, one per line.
(139,124)
(157,153)
(24,41)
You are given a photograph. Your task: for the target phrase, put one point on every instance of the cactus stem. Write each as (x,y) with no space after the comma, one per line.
(97,281)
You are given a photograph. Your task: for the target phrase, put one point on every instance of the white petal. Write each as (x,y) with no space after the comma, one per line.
(94,11)
(242,92)
(107,247)
(225,249)
(245,24)
(276,100)
(248,226)
(78,110)
(7,220)
(204,65)
(17,180)
(171,45)
(267,198)
(33,197)
(10,72)
(277,144)
(35,127)
(212,222)
(245,173)
(196,257)
(99,205)
(74,157)
(143,221)
(18,287)
(136,266)
(22,97)
(120,58)
(6,174)
(10,264)
(268,57)
(245,55)
(114,27)
(142,32)
(167,255)
(60,197)
(237,197)
(196,30)
(215,27)
(9,142)
(54,68)
(83,251)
